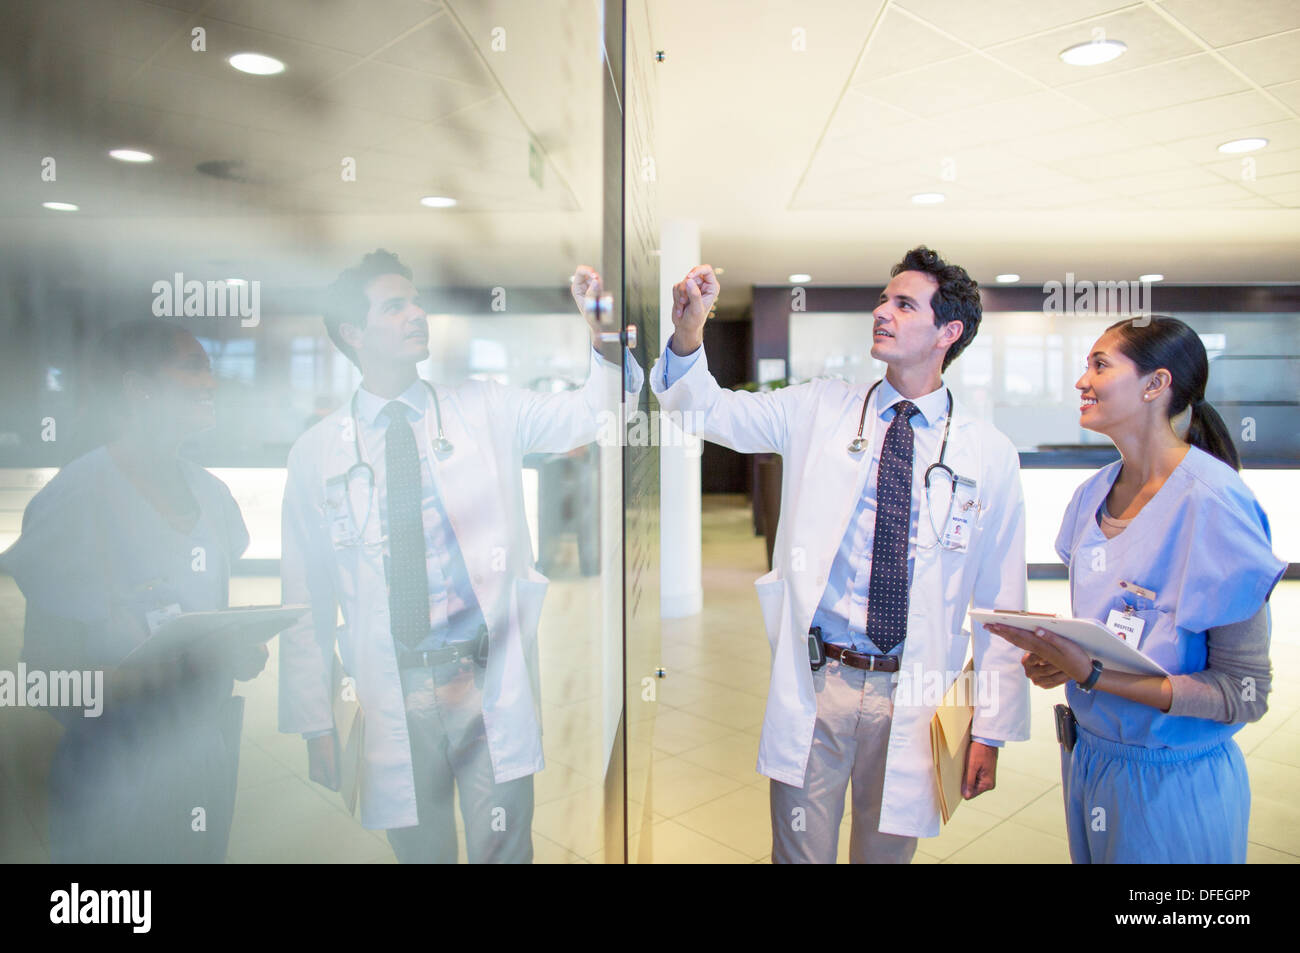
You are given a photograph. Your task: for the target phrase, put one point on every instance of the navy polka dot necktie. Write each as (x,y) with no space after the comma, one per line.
(887,593)
(408,574)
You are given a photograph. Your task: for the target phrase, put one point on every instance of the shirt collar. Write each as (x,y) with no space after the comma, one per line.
(932,406)
(371,406)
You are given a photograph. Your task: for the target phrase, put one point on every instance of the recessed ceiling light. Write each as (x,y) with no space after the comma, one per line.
(437,201)
(927,198)
(1093,53)
(238,282)
(719,271)
(1243,145)
(1007,279)
(800,279)
(1151,277)
(256,63)
(60,206)
(130,155)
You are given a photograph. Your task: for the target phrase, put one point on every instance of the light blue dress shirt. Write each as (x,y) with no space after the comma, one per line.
(842,612)
(451,596)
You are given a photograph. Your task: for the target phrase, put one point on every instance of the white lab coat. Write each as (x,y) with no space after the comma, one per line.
(491,428)
(811,426)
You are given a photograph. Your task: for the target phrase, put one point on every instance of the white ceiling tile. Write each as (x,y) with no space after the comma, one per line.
(1087,139)
(1274,184)
(306,65)
(1081,195)
(1120,164)
(953,84)
(1203,147)
(1207,196)
(401,92)
(1149,39)
(1259,201)
(1222,112)
(1220,22)
(492,117)
(358,28)
(1154,87)
(1289,200)
(1182,178)
(122,27)
(1044,111)
(859,115)
(996,21)
(440,48)
(1268,161)
(1273,59)
(900,44)
(1289,93)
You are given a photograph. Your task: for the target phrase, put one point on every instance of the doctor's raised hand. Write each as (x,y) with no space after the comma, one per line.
(693,299)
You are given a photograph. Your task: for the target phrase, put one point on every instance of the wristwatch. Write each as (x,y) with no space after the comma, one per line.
(1087,684)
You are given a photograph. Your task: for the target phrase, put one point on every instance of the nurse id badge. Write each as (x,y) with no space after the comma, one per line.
(1125,626)
(961,519)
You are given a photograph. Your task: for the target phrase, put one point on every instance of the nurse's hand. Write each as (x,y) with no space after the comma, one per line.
(981,770)
(1042,673)
(1057,652)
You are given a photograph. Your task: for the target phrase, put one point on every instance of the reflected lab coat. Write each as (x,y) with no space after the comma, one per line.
(811,426)
(491,429)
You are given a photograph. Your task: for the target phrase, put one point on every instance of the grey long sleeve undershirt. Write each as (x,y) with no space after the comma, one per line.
(1237,677)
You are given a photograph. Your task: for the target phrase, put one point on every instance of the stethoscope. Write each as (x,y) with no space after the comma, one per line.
(858,444)
(442,446)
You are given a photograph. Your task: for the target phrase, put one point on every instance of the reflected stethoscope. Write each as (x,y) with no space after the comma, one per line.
(858,444)
(442,446)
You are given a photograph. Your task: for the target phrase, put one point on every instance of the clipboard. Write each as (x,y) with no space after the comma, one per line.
(1097,640)
(950,739)
(245,625)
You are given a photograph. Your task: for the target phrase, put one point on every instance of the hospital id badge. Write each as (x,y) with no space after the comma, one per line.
(336,511)
(1125,626)
(157,618)
(961,521)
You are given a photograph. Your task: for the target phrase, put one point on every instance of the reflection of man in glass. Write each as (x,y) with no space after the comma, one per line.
(405,509)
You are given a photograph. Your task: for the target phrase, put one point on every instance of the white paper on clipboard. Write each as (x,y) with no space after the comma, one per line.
(1097,640)
(246,625)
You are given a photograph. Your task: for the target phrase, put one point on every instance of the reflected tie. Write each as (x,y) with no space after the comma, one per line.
(408,574)
(887,594)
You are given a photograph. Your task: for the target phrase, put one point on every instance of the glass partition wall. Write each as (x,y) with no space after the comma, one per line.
(321,305)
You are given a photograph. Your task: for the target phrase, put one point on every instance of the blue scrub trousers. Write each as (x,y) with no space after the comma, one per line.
(1126,804)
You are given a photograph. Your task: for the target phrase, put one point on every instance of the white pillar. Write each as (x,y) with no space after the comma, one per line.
(681,591)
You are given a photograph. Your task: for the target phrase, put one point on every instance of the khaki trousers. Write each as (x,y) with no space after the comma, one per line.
(854,712)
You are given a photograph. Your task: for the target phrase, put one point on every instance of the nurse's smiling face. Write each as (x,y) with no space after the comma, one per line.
(1112,392)
(176,400)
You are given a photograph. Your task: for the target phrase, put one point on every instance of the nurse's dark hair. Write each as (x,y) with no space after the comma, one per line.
(140,346)
(1160,341)
(346,302)
(956,299)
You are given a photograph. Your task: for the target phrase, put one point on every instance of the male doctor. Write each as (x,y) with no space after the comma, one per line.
(872,574)
(405,508)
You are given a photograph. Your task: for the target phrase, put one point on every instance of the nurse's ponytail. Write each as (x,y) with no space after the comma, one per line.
(1160,341)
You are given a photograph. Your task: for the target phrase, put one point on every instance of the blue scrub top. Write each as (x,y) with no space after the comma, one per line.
(1202,545)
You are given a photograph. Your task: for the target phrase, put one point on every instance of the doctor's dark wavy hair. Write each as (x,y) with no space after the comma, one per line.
(956,299)
(1160,341)
(346,302)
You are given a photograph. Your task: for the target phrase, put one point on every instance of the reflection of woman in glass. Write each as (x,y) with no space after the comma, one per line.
(121,537)
(1169,549)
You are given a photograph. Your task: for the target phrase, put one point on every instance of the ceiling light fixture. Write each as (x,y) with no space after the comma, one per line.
(799,279)
(927,198)
(1243,145)
(256,63)
(437,201)
(60,206)
(130,155)
(1007,279)
(1151,277)
(1093,53)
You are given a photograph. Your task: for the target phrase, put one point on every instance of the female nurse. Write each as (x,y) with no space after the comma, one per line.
(117,540)
(1169,549)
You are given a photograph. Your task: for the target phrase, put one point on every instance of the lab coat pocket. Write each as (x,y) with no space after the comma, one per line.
(530,591)
(771,600)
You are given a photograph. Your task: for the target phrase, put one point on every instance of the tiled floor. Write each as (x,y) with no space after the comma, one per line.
(706,803)
(715,807)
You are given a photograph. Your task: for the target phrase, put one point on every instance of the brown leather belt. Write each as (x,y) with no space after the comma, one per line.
(868,663)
